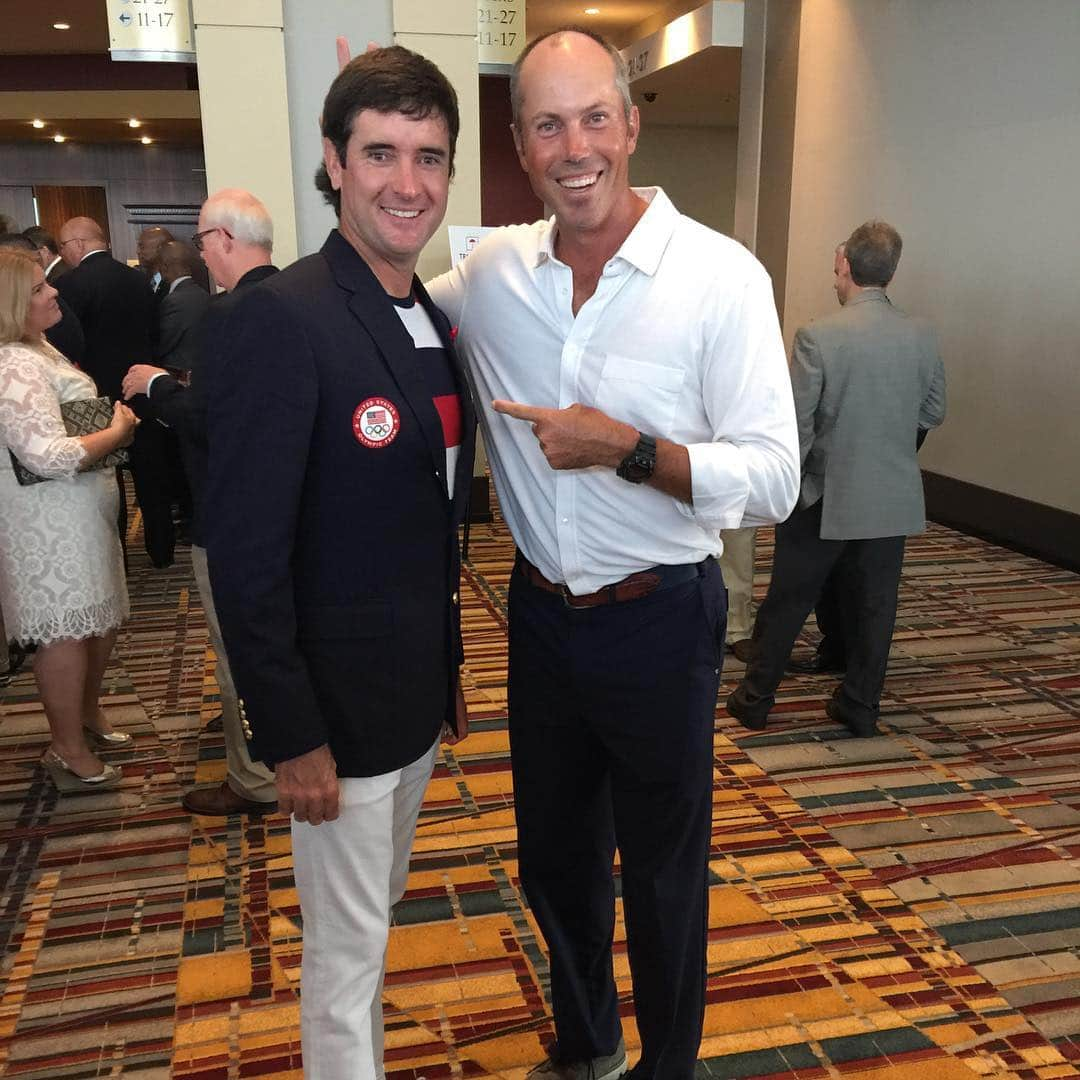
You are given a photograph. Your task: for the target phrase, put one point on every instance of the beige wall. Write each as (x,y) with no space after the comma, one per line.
(446,34)
(959,123)
(245,113)
(694,165)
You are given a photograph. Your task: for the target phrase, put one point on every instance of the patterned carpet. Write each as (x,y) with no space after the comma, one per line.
(885,909)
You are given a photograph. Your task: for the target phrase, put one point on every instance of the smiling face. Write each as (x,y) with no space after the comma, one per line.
(574,137)
(394,186)
(43,311)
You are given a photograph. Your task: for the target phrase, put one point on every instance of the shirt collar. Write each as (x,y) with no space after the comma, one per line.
(172,287)
(645,245)
(91,254)
(868,292)
(49,268)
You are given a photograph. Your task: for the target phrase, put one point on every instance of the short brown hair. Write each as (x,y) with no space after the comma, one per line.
(872,252)
(16,285)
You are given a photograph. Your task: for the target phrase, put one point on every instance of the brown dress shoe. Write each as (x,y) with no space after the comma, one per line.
(222,801)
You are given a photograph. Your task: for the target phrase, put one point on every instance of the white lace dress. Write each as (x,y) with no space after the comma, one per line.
(61,567)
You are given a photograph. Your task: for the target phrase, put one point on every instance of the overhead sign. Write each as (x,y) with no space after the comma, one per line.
(500,33)
(156,30)
(719,22)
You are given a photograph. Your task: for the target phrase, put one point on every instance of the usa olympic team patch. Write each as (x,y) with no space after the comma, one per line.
(376,423)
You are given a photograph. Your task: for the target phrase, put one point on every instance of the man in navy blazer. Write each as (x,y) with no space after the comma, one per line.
(341,440)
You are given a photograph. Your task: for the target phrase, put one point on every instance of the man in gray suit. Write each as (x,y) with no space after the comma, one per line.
(865,380)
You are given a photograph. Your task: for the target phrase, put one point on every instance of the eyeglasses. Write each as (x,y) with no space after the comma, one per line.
(71,240)
(197,239)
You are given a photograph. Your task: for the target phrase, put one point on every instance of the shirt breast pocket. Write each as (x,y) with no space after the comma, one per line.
(640,392)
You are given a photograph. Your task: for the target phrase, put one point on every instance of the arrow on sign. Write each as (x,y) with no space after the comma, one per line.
(125,18)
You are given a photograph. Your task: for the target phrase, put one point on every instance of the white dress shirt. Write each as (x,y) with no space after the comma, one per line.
(680,339)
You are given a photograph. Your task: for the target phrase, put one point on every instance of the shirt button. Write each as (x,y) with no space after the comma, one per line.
(566,521)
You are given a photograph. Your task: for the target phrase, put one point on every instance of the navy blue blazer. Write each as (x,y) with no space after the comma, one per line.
(335,565)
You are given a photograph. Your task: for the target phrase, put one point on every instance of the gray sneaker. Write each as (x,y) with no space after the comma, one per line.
(610,1067)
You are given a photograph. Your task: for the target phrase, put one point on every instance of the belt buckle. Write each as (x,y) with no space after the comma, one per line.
(567,595)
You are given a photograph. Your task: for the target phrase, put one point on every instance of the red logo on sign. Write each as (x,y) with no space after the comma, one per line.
(376,423)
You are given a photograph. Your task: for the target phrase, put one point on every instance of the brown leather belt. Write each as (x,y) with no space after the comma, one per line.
(633,587)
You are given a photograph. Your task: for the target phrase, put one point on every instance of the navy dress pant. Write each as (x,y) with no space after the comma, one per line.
(611,733)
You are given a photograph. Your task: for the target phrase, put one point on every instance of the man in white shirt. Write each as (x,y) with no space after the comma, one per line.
(635,399)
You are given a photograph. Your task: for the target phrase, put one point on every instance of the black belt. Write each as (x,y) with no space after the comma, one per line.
(633,587)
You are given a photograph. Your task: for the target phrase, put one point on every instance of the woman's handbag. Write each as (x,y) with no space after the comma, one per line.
(82,417)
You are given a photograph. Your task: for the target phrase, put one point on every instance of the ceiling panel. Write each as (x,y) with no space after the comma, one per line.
(28,26)
(183,132)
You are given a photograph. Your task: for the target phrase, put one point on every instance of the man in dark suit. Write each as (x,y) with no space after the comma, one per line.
(865,380)
(115,307)
(48,252)
(148,248)
(236,237)
(182,310)
(66,336)
(341,441)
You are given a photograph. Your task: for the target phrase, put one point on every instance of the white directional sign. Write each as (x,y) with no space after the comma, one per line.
(151,30)
(500,33)
(719,22)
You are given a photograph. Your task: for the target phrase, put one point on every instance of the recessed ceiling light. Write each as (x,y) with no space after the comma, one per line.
(38,123)
(61,26)
(146,140)
(59,138)
(133,123)
(592,11)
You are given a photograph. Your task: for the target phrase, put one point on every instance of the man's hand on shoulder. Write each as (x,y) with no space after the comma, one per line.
(576,437)
(137,379)
(308,786)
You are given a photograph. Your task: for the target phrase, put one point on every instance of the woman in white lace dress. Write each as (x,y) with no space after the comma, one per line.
(61,568)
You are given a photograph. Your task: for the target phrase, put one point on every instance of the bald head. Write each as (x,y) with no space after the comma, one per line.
(236,234)
(148,247)
(78,237)
(567,40)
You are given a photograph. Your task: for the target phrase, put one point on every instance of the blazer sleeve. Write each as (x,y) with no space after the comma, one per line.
(807,380)
(932,409)
(262,398)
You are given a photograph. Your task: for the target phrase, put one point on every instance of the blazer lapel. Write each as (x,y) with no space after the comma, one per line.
(375,310)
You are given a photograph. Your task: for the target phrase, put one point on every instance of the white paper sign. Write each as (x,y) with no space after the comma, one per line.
(500,30)
(155,30)
(463,239)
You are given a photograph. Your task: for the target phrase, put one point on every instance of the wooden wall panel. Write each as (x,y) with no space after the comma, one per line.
(59,203)
(17,203)
(158,175)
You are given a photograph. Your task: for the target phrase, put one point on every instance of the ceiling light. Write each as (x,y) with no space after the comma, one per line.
(59,138)
(38,123)
(146,140)
(61,26)
(592,11)
(133,123)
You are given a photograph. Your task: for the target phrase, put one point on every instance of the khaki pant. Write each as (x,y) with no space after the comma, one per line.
(249,779)
(737,566)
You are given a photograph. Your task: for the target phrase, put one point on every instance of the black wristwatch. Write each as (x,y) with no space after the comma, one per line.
(639,464)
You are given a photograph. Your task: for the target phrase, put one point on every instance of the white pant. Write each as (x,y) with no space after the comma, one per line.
(349,873)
